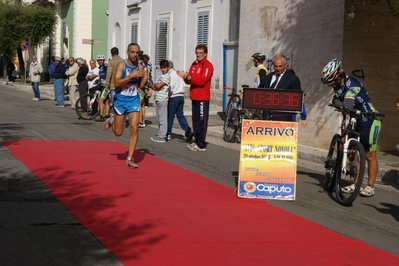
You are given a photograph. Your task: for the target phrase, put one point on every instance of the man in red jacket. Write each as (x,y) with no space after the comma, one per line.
(199,77)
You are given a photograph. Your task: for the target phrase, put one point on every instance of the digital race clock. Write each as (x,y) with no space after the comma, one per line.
(271,99)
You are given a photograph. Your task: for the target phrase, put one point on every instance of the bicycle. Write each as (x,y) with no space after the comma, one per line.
(86,106)
(234,116)
(346,159)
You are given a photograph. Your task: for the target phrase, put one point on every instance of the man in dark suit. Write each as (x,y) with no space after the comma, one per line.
(282,79)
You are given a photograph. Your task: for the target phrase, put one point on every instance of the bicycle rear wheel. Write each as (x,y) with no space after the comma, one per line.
(333,163)
(84,109)
(230,126)
(353,173)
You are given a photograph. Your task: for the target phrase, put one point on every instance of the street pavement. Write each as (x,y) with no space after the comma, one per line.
(388,160)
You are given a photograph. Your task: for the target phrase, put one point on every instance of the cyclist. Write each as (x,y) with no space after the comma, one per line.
(102,67)
(350,92)
(260,79)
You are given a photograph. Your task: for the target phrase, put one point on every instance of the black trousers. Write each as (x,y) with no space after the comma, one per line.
(200,117)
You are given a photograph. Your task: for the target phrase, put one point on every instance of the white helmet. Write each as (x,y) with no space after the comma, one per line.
(331,71)
(100,57)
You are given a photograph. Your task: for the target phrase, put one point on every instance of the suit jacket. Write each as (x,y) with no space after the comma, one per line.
(288,81)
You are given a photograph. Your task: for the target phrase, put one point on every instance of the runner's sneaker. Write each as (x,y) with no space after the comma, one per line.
(141,125)
(35,99)
(108,122)
(131,164)
(169,138)
(368,191)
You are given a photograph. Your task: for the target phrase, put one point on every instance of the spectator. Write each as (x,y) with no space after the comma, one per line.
(72,84)
(35,70)
(109,81)
(161,92)
(260,79)
(146,60)
(10,72)
(176,104)
(59,76)
(102,67)
(129,81)
(81,79)
(199,77)
(143,95)
(51,68)
(93,76)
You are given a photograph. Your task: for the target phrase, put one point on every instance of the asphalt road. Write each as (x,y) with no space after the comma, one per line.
(35,229)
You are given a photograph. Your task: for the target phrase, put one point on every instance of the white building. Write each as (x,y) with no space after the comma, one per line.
(171,30)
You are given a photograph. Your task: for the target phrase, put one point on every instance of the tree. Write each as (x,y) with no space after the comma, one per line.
(354,3)
(20,22)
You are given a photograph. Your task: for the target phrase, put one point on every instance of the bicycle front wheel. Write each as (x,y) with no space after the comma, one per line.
(84,107)
(333,163)
(353,173)
(230,126)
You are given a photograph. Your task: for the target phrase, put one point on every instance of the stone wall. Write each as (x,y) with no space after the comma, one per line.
(371,53)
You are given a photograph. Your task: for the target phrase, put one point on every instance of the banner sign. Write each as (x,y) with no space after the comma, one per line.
(268,160)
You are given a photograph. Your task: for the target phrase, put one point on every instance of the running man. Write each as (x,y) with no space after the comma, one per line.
(130,78)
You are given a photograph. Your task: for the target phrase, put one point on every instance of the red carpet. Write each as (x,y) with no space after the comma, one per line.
(162,214)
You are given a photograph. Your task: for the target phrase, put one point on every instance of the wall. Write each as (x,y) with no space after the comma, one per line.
(371,52)
(99,26)
(67,29)
(310,33)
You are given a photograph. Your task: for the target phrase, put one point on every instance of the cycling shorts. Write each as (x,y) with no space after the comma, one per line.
(370,130)
(126,106)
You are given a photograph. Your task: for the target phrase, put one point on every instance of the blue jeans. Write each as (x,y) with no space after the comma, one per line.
(175,107)
(59,91)
(35,87)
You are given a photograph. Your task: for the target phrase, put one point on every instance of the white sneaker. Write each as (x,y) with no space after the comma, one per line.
(108,122)
(35,99)
(367,191)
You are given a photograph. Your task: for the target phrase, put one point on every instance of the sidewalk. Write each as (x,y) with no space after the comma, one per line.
(388,162)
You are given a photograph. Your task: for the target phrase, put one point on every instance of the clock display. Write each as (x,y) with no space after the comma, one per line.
(271,99)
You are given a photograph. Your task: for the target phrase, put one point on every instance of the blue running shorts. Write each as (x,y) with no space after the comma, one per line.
(126,106)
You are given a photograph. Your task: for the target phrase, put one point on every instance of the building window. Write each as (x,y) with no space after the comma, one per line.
(134,30)
(161,45)
(203,27)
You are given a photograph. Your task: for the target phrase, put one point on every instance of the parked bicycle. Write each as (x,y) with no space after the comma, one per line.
(345,162)
(86,106)
(234,115)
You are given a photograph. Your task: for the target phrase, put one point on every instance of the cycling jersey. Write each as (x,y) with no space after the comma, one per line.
(103,74)
(353,94)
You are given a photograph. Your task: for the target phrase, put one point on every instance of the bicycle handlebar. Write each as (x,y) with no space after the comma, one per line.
(340,107)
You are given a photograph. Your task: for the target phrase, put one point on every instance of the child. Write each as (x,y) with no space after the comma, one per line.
(161,92)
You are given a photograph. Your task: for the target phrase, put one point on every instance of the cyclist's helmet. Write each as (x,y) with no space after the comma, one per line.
(331,72)
(100,57)
(259,57)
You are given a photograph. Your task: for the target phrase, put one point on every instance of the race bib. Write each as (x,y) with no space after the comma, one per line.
(129,90)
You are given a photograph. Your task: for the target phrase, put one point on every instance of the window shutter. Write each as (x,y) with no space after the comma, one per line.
(134,32)
(161,45)
(203,28)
